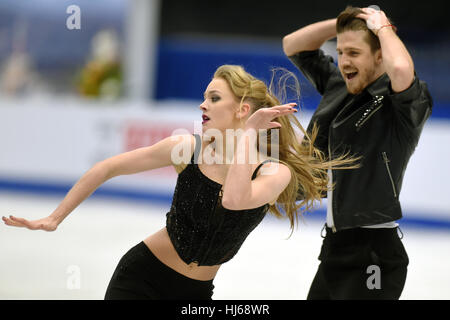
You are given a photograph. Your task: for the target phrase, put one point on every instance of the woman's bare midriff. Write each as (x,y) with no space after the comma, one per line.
(161,246)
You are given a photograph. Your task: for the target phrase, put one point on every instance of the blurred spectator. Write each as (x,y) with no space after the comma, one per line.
(102,75)
(16,75)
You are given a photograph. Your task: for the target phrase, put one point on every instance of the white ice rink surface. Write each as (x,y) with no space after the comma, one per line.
(90,242)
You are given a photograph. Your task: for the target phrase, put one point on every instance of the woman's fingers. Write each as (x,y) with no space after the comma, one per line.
(285,111)
(24,223)
(11,221)
(281,110)
(17,219)
(286,108)
(21,222)
(262,118)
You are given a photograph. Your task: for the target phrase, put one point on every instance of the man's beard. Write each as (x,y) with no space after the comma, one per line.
(364,79)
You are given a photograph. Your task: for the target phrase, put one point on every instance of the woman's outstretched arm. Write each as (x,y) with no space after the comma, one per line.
(84,187)
(156,156)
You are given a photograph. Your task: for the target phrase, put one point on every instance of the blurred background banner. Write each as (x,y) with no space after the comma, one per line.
(81,81)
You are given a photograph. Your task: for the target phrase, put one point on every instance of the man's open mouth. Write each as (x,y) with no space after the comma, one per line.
(350,75)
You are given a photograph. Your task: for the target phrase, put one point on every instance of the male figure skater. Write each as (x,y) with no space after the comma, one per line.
(374,106)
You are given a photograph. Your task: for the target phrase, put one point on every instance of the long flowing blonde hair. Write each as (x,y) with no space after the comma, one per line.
(308,165)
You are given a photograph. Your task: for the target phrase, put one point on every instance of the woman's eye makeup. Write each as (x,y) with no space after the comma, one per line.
(215,98)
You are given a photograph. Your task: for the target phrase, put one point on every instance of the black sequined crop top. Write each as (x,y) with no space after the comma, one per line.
(200,229)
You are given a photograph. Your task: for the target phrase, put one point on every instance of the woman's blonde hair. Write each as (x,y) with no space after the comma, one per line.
(308,165)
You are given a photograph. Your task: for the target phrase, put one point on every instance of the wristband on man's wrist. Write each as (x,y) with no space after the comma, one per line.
(388,25)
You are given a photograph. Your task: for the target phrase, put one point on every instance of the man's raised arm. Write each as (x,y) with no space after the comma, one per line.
(310,37)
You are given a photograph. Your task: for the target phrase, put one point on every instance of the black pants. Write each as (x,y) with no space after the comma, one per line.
(361,264)
(141,275)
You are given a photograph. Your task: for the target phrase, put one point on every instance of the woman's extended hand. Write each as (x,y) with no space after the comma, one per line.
(46,224)
(262,118)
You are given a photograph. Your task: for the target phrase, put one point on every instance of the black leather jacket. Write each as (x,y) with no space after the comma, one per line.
(381,126)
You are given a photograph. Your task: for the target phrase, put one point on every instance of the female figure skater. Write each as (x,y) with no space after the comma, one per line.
(216,204)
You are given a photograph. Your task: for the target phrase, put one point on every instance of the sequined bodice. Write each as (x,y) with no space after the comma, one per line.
(200,229)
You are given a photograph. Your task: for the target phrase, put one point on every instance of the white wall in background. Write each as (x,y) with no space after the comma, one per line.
(56,141)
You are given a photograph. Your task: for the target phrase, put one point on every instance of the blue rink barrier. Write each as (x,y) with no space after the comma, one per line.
(186,65)
(418,220)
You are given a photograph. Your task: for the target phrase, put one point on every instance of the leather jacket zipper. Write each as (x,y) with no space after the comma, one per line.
(386,162)
(333,227)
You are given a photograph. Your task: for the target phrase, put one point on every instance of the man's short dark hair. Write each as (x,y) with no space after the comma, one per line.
(347,21)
